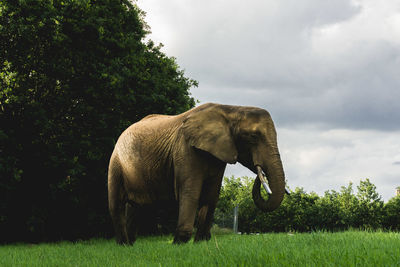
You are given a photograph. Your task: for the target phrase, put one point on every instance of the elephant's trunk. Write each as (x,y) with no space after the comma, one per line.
(276,180)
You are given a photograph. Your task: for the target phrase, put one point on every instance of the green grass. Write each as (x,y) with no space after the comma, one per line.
(316,249)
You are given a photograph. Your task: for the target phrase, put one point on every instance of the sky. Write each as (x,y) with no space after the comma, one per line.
(327,71)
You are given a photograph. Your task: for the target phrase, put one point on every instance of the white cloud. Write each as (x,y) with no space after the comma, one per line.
(320,160)
(328,71)
(328,62)
(332,158)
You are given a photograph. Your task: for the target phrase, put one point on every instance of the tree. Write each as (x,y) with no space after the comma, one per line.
(392,214)
(300,211)
(303,212)
(370,208)
(234,192)
(330,213)
(73,75)
(348,206)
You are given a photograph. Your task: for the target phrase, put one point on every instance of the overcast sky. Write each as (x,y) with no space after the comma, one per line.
(327,71)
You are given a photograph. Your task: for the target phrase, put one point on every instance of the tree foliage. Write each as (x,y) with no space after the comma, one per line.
(73,75)
(304,212)
(391,218)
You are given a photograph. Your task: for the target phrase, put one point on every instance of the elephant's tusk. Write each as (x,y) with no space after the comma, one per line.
(266,187)
(287,191)
(263,180)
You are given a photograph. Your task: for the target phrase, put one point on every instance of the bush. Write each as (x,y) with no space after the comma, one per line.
(304,212)
(391,219)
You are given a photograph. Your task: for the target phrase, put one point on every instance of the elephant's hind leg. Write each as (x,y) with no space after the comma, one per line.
(131,221)
(116,201)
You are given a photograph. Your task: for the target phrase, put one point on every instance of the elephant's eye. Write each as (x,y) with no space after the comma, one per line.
(251,136)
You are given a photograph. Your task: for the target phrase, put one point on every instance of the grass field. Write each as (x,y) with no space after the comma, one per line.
(351,248)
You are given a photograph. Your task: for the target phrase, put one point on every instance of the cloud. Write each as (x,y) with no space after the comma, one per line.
(328,72)
(326,160)
(333,63)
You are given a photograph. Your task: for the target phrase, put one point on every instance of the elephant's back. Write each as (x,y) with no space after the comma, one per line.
(154,123)
(142,135)
(152,117)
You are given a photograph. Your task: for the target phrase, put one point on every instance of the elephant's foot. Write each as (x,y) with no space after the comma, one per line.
(182,237)
(121,241)
(125,242)
(202,237)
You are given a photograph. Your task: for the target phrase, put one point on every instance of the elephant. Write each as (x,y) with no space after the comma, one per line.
(183,157)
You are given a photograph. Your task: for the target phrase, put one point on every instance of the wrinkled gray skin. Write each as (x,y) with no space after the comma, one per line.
(183,157)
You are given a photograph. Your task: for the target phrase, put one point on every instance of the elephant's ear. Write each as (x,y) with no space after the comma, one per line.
(209,131)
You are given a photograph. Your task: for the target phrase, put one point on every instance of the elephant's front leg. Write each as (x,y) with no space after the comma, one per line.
(189,194)
(208,202)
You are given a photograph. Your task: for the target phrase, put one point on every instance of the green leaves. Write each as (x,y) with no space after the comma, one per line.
(391,219)
(73,76)
(302,211)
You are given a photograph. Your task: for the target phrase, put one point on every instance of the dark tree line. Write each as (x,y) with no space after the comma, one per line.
(73,75)
(304,212)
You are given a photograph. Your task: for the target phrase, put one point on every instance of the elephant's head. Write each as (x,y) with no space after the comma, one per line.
(243,134)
